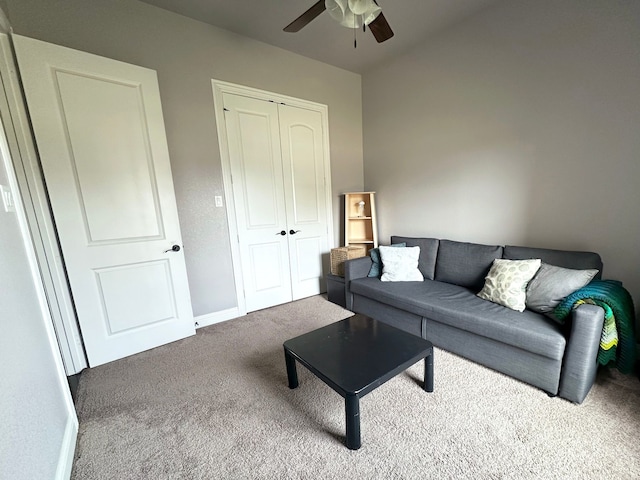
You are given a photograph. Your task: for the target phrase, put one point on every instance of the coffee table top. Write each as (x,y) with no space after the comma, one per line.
(357,354)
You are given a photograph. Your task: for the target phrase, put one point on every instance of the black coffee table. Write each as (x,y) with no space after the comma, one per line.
(355,356)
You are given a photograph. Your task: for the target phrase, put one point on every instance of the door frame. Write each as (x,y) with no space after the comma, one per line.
(8,132)
(13,112)
(221,87)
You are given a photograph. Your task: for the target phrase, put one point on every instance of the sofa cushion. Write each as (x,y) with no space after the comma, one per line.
(551,284)
(507,281)
(461,308)
(428,253)
(560,258)
(400,264)
(465,264)
(376,261)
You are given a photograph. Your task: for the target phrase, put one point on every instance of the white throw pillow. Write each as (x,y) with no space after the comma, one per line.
(507,281)
(400,264)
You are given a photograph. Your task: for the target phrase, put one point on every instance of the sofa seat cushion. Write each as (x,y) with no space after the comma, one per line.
(461,308)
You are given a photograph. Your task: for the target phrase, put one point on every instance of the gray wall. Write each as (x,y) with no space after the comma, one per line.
(33,408)
(519,125)
(187,54)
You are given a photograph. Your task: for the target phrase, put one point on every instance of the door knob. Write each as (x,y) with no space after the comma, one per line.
(283,233)
(175,248)
(293,232)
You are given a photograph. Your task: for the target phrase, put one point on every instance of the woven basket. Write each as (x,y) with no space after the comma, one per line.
(342,254)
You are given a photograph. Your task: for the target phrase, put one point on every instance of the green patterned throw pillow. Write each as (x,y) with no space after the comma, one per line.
(507,281)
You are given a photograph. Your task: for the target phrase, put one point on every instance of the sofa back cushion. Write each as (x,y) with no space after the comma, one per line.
(428,253)
(559,258)
(465,264)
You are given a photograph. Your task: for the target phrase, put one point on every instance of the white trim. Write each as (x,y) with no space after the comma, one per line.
(5,25)
(72,420)
(217,317)
(67,450)
(219,88)
(39,219)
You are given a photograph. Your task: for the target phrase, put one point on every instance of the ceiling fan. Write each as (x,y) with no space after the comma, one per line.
(349,13)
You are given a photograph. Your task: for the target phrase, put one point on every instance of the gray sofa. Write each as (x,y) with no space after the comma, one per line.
(444,309)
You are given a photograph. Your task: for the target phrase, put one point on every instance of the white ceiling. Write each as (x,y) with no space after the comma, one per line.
(323,39)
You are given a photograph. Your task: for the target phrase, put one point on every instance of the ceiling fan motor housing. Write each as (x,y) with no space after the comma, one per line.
(353,13)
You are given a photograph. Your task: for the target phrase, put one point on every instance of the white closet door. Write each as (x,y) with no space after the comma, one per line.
(100,133)
(277,164)
(256,168)
(305,192)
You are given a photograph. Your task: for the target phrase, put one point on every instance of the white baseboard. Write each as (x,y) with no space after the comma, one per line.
(217,317)
(67,450)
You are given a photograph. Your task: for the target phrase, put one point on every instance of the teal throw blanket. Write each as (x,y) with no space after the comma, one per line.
(617,343)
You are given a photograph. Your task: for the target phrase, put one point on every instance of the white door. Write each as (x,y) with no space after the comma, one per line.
(100,134)
(258,186)
(277,165)
(307,217)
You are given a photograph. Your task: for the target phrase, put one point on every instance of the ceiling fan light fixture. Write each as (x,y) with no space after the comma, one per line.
(365,8)
(353,13)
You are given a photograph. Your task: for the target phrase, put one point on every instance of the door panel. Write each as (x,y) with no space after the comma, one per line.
(118,196)
(256,168)
(151,302)
(303,158)
(259,164)
(267,257)
(308,269)
(100,133)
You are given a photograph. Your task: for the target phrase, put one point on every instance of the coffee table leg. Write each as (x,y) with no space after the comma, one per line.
(292,374)
(352,407)
(428,372)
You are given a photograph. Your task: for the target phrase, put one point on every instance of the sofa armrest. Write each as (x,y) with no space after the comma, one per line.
(580,365)
(354,268)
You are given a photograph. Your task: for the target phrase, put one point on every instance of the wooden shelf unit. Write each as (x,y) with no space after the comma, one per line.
(360,223)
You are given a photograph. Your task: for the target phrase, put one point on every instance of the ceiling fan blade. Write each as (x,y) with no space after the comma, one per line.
(306,17)
(381,29)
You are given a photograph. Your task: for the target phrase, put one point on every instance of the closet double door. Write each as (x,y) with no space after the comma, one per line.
(277,162)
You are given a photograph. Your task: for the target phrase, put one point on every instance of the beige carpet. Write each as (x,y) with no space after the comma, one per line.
(217,406)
